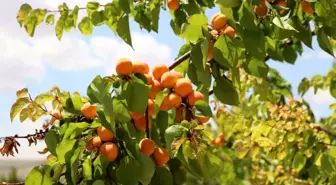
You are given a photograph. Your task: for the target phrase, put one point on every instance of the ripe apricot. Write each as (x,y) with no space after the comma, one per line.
(169,79)
(219,142)
(124,67)
(140,124)
(183,87)
(210,48)
(221,135)
(262,9)
(283,4)
(165,105)
(161,156)
(95,142)
(202,119)
(156,88)
(140,67)
(150,106)
(55,116)
(147,146)
(174,99)
(158,71)
(149,78)
(229,31)
(218,21)
(89,111)
(110,150)
(179,114)
(306,8)
(194,96)
(105,134)
(173,5)
(136,115)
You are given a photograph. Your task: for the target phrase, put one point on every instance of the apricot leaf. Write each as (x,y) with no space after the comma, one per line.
(147,171)
(225,92)
(85,26)
(162,176)
(126,167)
(17,107)
(324,42)
(123,30)
(64,147)
(51,140)
(39,175)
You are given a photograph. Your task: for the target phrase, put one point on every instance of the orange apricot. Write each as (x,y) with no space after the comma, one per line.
(174,99)
(183,87)
(150,106)
(124,67)
(165,105)
(89,111)
(110,150)
(218,21)
(149,78)
(194,96)
(55,116)
(219,142)
(105,134)
(136,115)
(140,67)
(147,146)
(229,31)
(179,114)
(221,135)
(261,10)
(161,156)
(169,79)
(202,119)
(140,124)
(173,5)
(283,4)
(306,8)
(156,87)
(95,142)
(210,48)
(158,71)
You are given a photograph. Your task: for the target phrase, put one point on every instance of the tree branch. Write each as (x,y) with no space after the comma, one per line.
(180,60)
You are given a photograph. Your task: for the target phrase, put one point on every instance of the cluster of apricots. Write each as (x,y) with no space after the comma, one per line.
(219,27)
(262,10)
(104,143)
(173,4)
(160,155)
(219,140)
(181,90)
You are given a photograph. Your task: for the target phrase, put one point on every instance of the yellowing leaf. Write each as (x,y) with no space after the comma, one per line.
(17,107)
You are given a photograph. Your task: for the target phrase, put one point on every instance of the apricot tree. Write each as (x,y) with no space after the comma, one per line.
(142,126)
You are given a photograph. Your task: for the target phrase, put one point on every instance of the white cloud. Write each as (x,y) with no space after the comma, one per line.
(316,55)
(322,97)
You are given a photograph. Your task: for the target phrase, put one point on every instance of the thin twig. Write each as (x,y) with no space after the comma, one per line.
(180,60)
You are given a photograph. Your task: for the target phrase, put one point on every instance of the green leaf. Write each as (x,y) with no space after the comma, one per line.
(199,54)
(324,42)
(228,3)
(23,13)
(125,5)
(72,163)
(86,26)
(98,18)
(51,140)
(183,66)
(180,176)
(30,25)
(121,111)
(60,28)
(304,31)
(225,92)
(44,97)
(63,148)
(162,176)
(289,54)
(136,95)
(281,23)
(171,133)
(126,167)
(304,86)
(257,67)
(333,88)
(299,161)
(50,20)
(87,168)
(39,176)
(123,30)
(147,171)
(254,42)
(91,7)
(98,182)
(191,32)
(246,16)
(17,107)
(26,112)
(203,107)
(225,52)
(75,129)
(198,20)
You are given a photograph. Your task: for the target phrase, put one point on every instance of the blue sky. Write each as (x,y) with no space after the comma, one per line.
(72,63)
